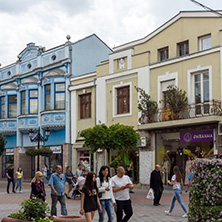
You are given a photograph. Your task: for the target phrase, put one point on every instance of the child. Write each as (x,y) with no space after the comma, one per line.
(19,174)
(90,198)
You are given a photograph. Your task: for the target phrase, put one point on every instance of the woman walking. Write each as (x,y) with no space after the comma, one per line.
(107,200)
(19,174)
(177,183)
(45,173)
(37,186)
(89,198)
(69,177)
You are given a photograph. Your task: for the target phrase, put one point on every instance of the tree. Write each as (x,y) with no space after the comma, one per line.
(2,144)
(147,106)
(117,137)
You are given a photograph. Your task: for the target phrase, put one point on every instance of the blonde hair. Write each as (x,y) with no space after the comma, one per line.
(37,174)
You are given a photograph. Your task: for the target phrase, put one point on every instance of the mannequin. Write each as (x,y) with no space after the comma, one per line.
(187,170)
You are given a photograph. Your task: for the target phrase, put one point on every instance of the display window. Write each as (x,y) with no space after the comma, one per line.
(86,160)
(7,160)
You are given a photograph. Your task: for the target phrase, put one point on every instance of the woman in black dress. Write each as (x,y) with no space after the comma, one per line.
(89,197)
(37,185)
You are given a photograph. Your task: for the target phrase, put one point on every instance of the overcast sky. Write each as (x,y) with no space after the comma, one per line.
(47,22)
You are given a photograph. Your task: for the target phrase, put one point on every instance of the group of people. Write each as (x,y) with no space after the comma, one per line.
(176,181)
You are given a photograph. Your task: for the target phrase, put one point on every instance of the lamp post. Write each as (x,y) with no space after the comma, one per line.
(38,138)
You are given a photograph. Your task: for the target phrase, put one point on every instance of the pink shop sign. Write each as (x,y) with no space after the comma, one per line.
(190,137)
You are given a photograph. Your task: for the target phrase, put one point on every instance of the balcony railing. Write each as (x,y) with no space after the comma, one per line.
(210,108)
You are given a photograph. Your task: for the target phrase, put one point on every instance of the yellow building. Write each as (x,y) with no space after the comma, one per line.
(186,52)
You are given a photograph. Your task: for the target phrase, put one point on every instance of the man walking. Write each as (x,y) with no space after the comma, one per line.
(10,175)
(121,185)
(156,184)
(57,183)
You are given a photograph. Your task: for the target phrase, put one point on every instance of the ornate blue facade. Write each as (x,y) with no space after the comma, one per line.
(34,93)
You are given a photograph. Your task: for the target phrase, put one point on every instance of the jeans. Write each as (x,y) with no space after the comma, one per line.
(19,184)
(13,184)
(126,206)
(62,201)
(131,178)
(45,179)
(108,207)
(177,197)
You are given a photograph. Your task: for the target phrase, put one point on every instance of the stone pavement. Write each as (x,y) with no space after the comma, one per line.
(144,211)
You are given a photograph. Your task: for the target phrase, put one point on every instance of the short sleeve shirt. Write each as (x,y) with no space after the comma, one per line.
(10,172)
(118,182)
(58,183)
(176,185)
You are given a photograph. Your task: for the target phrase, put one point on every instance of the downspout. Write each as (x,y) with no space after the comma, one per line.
(95,156)
(70,145)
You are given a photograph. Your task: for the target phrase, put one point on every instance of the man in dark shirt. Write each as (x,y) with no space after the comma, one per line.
(10,175)
(156,184)
(129,172)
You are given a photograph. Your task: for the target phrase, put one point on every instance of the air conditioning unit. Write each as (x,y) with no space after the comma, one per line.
(220,128)
(142,142)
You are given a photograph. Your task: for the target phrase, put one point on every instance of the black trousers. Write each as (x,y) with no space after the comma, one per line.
(13,184)
(126,207)
(157,195)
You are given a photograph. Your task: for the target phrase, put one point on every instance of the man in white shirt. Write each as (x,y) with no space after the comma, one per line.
(121,184)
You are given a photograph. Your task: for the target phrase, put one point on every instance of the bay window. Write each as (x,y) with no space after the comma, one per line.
(23,102)
(60,96)
(33,101)
(47,97)
(12,106)
(2,100)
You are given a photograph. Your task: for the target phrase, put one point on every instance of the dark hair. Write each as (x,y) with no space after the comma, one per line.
(45,165)
(18,169)
(79,164)
(178,174)
(89,184)
(101,177)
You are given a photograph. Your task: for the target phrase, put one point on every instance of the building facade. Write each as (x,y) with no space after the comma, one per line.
(185,52)
(34,94)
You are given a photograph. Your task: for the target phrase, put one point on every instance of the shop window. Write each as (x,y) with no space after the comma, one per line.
(163,54)
(2,100)
(85,106)
(33,101)
(60,96)
(183,48)
(47,97)
(86,160)
(205,42)
(201,93)
(12,106)
(123,102)
(23,102)
(7,161)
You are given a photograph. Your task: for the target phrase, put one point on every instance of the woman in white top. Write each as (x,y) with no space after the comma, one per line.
(106,194)
(177,183)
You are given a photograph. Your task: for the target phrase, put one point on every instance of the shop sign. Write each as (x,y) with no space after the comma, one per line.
(190,137)
(56,149)
(9,152)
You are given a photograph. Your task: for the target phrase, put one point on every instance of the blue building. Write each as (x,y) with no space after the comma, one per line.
(34,94)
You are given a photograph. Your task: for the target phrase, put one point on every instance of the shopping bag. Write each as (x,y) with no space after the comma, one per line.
(150,194)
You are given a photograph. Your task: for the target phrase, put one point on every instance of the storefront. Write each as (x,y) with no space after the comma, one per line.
(86,159)
(7,160)
(179,148)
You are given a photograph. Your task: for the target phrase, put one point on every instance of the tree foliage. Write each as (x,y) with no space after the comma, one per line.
(2,144)
(117,137)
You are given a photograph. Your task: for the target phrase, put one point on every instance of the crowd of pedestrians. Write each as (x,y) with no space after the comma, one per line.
(105,194)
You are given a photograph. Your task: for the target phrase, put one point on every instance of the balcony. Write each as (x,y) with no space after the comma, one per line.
(201,113)
(8,126)
(27,122)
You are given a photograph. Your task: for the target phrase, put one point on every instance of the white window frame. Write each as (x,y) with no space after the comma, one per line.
(115,87)
(200,42)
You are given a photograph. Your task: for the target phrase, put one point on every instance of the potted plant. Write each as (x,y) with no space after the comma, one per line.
(45,151)
(176,99)
(147,106)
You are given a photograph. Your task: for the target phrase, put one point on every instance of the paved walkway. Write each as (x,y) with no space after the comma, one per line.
(144,211)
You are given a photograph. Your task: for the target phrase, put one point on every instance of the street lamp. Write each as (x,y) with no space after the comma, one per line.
(38,138)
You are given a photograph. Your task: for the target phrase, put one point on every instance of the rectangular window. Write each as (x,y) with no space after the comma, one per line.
(205,42)
(12,106)
(183,48)
(2,107)
(163,54)
(23,102)
(33,101)
(60,96)
(47,97)
(85,106)
(123,103)
(201,92)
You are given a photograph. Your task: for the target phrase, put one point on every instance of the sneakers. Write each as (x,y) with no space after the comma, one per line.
(185,215)
(167,212)
(20,191)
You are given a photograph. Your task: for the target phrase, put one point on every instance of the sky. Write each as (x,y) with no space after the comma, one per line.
(47,22)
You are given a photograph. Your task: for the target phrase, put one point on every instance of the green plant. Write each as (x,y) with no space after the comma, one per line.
(176,99)
(33,210)
(2,144)
(206,193)
(31,152)
(147,106)
(45,151)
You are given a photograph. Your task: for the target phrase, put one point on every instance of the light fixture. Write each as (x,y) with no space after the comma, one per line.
(31,133)
(47,132)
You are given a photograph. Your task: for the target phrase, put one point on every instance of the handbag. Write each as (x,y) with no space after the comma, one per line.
(150,194)
(100,195)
